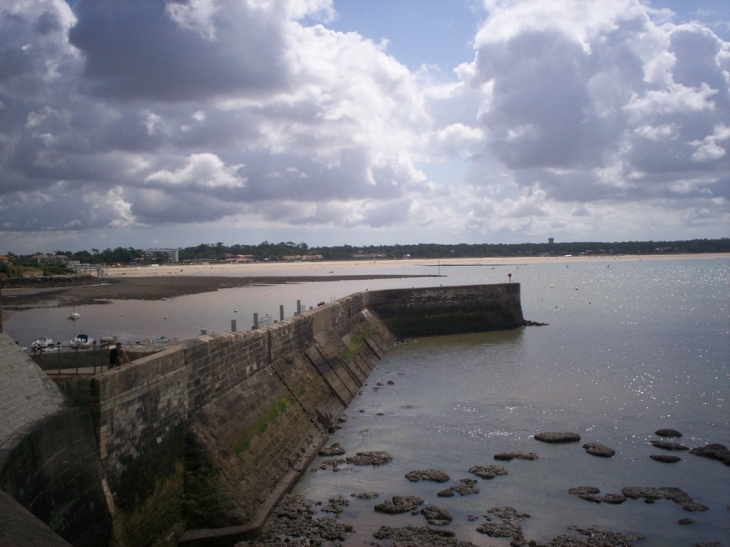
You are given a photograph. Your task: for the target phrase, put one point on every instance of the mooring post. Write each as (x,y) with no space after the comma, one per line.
(299,307)
(255,321)
(281,312)
(233,325)
(203,332)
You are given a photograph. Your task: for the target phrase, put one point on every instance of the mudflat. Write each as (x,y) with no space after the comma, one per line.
(156,288)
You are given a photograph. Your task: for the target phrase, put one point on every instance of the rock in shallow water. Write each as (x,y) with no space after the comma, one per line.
(370,458)
(713,451)
(667,445)
(399,504)
(557,437)
(665,458)
(600,450)
(668,433)
(507,456)
(427,475)
(436,516)
(333,450)
(488,471)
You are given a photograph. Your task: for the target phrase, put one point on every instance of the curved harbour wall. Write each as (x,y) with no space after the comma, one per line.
(198,442)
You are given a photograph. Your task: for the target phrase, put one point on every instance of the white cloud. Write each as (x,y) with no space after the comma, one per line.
(571,115)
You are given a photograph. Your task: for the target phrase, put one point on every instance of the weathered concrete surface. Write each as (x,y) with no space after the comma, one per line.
(48,454)
(21,528)
(447,310)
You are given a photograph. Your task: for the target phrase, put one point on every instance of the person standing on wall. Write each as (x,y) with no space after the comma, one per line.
(117,356)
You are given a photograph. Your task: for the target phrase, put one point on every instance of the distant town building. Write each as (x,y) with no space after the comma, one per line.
(173,255)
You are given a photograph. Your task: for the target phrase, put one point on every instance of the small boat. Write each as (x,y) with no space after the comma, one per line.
(42,342)
(82,341)
(164,340)
(74,315)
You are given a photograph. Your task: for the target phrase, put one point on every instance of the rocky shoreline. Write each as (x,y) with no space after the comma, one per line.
(298,522)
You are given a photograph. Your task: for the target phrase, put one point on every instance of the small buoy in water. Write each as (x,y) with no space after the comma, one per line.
(165,317)
(121,314)
(551,286)
(576,288)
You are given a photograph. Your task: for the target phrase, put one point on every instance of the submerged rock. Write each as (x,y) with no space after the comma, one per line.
(667,445)
(557,437)
(370,458)
(586,493)
(399,504)
(677,495)
(509,527)
(466,487)
(668,433)
(427,475)
(714,451)
(507,456)
(366,495)
(596,538)
(590,493)
(600,450)
(292,523)
(436,516)
(488,471)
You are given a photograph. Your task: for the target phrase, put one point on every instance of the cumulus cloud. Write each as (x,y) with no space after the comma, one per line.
(569,116)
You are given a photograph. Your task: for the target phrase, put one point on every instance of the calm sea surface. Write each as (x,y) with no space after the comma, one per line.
(631,347)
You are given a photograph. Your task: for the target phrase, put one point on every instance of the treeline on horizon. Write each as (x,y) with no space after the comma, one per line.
(267,251)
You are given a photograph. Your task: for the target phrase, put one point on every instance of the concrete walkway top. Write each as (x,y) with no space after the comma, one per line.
(27,394)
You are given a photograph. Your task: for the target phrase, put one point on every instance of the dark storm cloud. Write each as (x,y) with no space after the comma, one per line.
(139,50)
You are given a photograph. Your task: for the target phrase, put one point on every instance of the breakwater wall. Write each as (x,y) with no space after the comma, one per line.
(197,443)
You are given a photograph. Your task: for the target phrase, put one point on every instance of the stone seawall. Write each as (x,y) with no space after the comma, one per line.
(448,310)
(208,434)
(198,442)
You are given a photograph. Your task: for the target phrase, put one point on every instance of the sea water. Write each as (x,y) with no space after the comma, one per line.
(630,349)
(632,346)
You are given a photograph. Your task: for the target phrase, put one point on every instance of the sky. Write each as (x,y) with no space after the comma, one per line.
(170,123)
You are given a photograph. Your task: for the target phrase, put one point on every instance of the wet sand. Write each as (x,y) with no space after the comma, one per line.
(152,287)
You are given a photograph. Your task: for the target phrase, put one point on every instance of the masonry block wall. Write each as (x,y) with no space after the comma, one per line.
(203,434)
(447,310)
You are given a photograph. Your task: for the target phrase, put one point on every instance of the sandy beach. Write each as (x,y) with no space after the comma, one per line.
(323,268)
